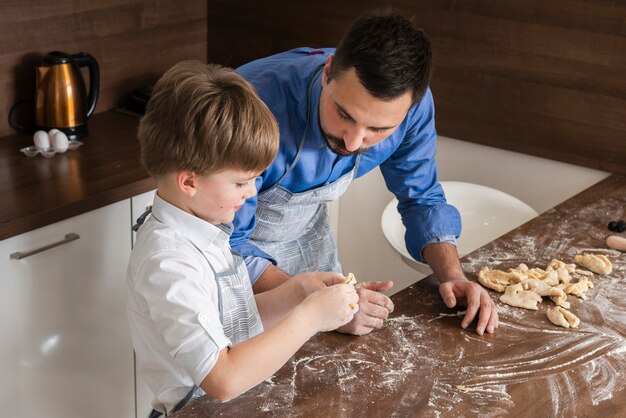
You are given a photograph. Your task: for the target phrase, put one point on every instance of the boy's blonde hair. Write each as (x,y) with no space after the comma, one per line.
(206,118)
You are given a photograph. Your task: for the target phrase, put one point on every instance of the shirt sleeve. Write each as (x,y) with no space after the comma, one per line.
(182,303)
(410,173)
(244,223)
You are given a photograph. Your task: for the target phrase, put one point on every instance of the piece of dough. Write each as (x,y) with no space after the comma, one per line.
(515,295)
(563,317)
(561,300)
(563,271)
(584,272)
(557,264)
(577,289)
(350,279)
(498,280)
(549,277)
(598,263)
(541,288)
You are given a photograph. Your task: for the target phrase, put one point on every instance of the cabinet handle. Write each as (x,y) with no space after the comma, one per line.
(68,237)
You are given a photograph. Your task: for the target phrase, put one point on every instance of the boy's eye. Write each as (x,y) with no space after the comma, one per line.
(240,185)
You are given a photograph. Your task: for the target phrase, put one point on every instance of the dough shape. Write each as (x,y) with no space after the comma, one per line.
(515,295)
(563,271)
(523,287)
(563,317)
(550,277)
(561,300)
(541,288)
(498,280)
(350,279)
(584,272)
(577,289)
(598,263)
(557,264)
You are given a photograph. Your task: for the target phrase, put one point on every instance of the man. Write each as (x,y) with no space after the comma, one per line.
(341,113)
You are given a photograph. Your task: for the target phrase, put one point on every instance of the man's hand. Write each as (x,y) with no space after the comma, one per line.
(374,308)
(455,287)
(477,300)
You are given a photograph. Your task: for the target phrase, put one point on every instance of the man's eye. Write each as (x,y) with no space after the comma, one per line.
(344,116)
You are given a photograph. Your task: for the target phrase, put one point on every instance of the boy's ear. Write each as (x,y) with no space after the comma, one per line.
(187,182)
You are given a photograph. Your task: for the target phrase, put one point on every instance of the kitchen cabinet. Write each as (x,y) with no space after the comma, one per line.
(66,349)
(143,394)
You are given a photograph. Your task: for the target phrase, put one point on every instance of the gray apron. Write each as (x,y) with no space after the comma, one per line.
(238,311)
(294,228)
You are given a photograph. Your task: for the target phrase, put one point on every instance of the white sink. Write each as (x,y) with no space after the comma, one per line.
(486,214)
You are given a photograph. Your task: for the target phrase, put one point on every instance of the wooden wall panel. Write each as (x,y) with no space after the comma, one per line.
(134,42)
(542,77)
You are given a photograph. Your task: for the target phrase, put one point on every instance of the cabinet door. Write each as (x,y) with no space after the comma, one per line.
(143,393)
(66,349)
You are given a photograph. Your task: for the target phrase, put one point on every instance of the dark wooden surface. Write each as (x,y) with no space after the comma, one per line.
(422,364)
(134,41)
(541,77)
(38,191)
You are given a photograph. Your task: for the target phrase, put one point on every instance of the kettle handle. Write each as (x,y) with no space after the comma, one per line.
(83,59)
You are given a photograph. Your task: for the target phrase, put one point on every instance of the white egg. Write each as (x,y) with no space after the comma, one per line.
(60,142)
(41,140)
(53,131)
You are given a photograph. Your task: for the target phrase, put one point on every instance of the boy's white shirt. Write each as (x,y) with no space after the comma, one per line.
(173,300)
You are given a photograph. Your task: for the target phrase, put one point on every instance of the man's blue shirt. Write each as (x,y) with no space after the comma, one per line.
(406,157)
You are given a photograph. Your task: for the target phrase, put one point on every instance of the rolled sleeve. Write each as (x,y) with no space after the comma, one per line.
(198,359)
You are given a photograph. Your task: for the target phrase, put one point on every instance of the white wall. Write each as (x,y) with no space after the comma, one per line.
(539,182)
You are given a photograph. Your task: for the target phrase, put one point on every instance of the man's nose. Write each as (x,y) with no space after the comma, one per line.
(353,139)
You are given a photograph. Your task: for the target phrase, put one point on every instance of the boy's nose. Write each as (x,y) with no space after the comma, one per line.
(250,191)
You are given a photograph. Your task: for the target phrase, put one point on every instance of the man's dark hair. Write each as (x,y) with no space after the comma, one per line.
(389,54)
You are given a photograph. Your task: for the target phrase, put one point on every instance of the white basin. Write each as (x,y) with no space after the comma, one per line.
(486,214)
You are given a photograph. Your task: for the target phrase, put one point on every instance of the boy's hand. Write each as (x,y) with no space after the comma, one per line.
(332,306)
(312,281)
(374,308)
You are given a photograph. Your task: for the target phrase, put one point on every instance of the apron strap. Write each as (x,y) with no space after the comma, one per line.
(306,127)
(191,394)
(142,219)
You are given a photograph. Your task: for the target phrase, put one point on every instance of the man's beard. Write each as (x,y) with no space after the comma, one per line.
(337,146)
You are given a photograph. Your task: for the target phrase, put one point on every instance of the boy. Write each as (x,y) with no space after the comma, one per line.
(195,324)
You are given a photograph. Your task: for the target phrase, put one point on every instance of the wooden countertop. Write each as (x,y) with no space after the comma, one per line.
(38,191)
(423,364)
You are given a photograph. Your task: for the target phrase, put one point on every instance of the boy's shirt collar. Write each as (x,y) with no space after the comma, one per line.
(199,231)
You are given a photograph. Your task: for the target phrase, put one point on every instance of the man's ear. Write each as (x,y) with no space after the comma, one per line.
(327,67)
(187,182)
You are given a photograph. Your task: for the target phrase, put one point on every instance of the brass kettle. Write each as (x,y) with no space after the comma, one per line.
(61,100)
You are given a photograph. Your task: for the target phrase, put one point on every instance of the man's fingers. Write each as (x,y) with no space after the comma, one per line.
(375,298)
(447,295)
(473,305)
(376,286)
(486,310)
(373,310)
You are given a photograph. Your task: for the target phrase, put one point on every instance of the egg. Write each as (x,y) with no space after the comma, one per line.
(59,141)
(41,140)
(53,131)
